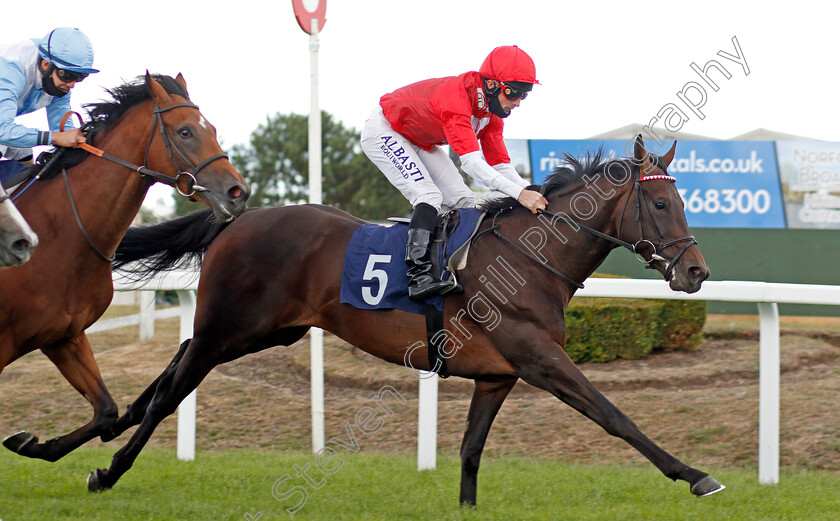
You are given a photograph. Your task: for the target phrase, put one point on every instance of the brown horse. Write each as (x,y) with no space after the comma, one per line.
(16,237)
(274,273)
(81,215)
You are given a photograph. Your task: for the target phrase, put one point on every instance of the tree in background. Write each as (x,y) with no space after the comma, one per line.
(276,163)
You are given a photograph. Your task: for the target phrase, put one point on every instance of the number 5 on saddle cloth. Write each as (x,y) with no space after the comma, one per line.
(374,273)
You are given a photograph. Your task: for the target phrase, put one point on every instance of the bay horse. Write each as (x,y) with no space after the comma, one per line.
(16,237)
(149,132)
(276,272)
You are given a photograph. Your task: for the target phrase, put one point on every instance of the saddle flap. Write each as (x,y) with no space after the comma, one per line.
(458,259)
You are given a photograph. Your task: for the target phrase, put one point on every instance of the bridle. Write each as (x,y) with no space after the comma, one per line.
(191,185)
(656,256)
(189,178)
(634,248)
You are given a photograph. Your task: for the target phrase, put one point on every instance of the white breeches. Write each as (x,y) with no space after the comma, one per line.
(421,176)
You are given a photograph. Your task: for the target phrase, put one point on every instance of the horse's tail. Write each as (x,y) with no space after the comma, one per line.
(149,249)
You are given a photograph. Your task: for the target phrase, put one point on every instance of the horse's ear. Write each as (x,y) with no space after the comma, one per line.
(639,150)
(642,158)
(669,156)
(179,79)
(157,91)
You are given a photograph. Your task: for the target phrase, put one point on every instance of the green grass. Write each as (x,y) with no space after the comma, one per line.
(227,485)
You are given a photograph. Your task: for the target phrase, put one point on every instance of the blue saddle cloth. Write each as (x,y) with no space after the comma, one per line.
(8,169)
(374,273)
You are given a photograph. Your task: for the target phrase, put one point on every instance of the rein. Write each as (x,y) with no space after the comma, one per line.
(79,222)
(191,185)
(189,189)
(632,247)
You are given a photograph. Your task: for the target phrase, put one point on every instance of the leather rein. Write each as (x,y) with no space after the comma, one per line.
(188,178)
(655,257)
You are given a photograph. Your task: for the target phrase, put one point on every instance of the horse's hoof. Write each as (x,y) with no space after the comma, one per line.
(94,483)
(706,487)
(19,441)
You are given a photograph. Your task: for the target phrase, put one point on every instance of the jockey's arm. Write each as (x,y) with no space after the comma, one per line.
(474,165)
(71,137)
(507,170)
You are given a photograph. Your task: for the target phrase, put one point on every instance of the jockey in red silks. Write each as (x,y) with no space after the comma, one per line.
(403,137)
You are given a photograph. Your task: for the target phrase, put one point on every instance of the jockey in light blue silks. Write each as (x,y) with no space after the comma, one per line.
(35,74)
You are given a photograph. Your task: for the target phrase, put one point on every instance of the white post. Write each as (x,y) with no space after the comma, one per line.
(768,406)
(147,314)
(427,413)
(314,119)
(316,335)
(186,411)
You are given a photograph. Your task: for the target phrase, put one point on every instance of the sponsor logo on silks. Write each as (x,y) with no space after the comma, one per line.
(481,102)
(400,159)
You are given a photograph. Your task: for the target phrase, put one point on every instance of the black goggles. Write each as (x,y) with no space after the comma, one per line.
(512,92)
(70,76)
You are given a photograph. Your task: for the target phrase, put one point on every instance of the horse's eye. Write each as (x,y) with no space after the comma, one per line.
(660,205)
(184,133)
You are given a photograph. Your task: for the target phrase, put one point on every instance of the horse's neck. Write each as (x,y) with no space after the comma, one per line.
(570,249)
(106,195)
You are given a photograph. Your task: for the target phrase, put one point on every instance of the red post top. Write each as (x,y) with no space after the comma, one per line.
(305,16)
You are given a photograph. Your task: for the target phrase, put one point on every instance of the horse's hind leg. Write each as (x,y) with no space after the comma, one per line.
(173,386)
(486,401)
(74,358)
(563,379)
(137,409)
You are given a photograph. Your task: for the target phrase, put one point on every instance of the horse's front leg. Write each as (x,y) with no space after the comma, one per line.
(487,399)
(74,358)
(551,369)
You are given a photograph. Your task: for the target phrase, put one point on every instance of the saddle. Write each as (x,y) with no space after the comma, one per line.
(47,166)
(444,265)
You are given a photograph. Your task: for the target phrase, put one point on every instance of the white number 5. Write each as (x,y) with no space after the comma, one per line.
(370,274)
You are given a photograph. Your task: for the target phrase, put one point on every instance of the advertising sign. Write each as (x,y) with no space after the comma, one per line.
(810,175)
(724,184)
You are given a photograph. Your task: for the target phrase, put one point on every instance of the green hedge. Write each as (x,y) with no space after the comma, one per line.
(603,329)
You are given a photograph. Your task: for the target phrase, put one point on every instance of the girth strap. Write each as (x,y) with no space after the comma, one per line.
(434,327)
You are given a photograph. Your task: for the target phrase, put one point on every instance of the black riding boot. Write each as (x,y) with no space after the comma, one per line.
(421,283)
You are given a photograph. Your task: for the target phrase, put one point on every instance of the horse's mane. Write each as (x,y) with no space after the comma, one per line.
(124,98)
(571,172)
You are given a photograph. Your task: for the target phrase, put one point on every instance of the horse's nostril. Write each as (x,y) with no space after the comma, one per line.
(235,192)
(698,272)
(21,245)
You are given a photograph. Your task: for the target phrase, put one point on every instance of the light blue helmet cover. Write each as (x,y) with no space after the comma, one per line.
(69,49)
